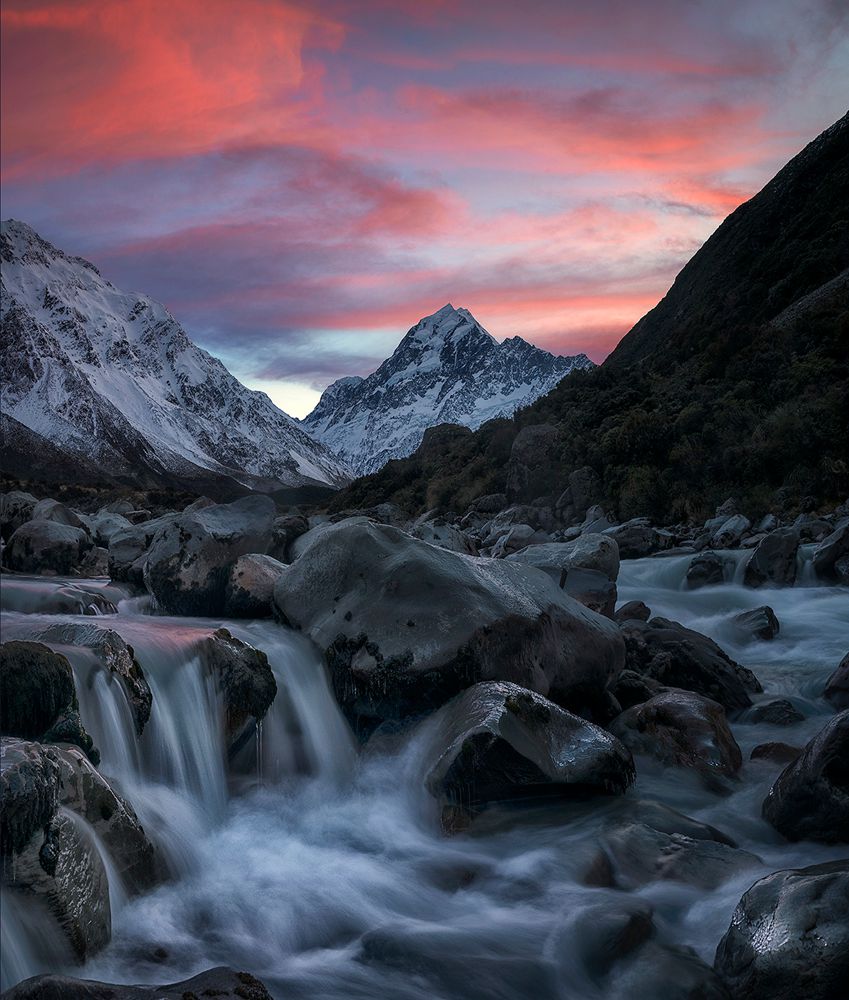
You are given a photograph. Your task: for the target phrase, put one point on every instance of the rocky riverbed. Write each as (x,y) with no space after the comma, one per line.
(522,750)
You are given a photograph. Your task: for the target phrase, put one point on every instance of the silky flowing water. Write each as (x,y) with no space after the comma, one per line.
(323,871)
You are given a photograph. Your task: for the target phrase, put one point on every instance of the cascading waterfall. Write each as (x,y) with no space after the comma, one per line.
(325,874)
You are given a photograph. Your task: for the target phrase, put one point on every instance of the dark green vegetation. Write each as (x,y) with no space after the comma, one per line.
(736,383)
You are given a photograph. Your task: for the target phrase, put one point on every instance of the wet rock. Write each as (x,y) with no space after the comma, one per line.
(250,586)
(633,611)
(780,753)
(607,932)
(15,509)
(635,538)
(810,798)
(246,682)
(682,729)
(284,531)
(114,655)
(837,686)
(679,657)
(46,546)
(759,623)
(405,626)
(498,741)
(640,854)
(773,562)
(731,531)
(190,558)
(829,556)
(780,712)
(220,982)
(29,782)
(658,970)
(789,936)
(706,569)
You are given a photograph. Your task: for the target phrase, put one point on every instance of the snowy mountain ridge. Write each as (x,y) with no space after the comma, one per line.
(112,377)
(447,369)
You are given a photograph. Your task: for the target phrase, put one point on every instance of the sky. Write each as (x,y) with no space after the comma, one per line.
(300,183)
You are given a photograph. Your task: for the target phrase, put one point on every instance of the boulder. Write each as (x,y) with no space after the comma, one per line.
(513,539)
(598,553)
(245,680)
(405,626)
(779,753)
(706,569)
(38,698)
(595,522)
(594,590)
(773,562)
(631,688)
(250,586)
(635,538)
(53,510)
(658,970)
(729,533)
(640,854)
(220,982)
(497,741)
(810,798)
(46,546)
(128,549)
(837,686)
(679,657)
(829,556)
(530,468)
(189,561)
(633,611)
(113,655)
(19,594)
(122,507)
(780,712)
(759,623)
(284,531)
(768,523)
(15,509)
(54,859)
(812,528)
(104,525)
(583,490)
(682,729)
(491,503)
(789,936)
(95,563)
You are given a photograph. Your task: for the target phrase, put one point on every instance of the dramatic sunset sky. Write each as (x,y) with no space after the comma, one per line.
(300,183)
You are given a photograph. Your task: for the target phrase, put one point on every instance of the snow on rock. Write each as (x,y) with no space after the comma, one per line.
(447,369)
(112,378)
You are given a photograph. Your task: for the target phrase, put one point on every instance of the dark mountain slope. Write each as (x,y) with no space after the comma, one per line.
(736,383)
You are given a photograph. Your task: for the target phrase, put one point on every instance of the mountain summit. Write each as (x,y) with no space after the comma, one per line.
(447,369)
(107,383)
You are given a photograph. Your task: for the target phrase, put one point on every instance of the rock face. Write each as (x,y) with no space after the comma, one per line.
(773,562)
(109,381)
(246,683)
(446,370)
(810,798)
(679,657)
(405,626)
(39,698)
(497,742)
(189,561)
(250,587)
(531,461)
(219,982)
(789,937)
(682,729)
(837,686)
(47,546)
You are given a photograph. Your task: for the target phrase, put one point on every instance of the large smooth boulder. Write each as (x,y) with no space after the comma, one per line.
(682,729)
(38,697)
(54,510)
(759,623)
(706,569)
(16,509)
(189,561)
(779,712)
(595,552)
(405,626)
(730,531)
(837,686)
(221,982)
(104,525)
(773,562)
(810,798)
(113,655)
(250,586)
(635,538)
(245,680)
(789,937)
(500,742)
(682,658)
(46,547)
(830,556)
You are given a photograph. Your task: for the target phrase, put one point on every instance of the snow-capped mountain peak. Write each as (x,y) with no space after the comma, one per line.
(446,369)
(112,377)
